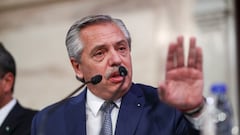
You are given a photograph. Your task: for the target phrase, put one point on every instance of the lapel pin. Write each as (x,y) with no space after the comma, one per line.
(7,128)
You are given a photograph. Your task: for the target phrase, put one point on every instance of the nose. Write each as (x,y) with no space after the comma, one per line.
(114,58)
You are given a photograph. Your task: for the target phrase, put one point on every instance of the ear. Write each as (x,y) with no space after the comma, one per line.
(77,67)
(8,81)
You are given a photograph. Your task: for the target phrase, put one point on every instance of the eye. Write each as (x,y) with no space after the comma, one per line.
(123,49)
(99,55)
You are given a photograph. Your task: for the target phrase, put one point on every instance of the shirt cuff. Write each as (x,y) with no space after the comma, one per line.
(198,120)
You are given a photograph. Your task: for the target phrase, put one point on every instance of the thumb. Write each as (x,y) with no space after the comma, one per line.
(162,90)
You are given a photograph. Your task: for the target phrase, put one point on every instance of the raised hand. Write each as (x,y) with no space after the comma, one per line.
(183,85)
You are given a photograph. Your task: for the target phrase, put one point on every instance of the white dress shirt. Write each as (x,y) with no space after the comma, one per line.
(4,111)
(94,120)
(199,120)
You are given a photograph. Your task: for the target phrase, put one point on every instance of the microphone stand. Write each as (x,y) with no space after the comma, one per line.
(94,80)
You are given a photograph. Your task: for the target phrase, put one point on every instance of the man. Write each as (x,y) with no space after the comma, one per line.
(100,45)
(14,119)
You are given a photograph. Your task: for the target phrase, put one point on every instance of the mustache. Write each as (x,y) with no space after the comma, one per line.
(111,71)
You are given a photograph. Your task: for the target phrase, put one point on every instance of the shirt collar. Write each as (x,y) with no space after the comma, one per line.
(94,103)
(4,111)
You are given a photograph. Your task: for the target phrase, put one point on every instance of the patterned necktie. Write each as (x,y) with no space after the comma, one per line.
(107,122)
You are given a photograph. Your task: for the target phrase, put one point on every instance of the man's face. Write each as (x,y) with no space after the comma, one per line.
(6,84)
(1,91)
(105,49)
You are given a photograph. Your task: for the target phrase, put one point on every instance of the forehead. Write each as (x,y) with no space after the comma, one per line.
(101,31)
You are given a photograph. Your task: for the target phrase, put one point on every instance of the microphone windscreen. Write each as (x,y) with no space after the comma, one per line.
(122,71)
(96,79)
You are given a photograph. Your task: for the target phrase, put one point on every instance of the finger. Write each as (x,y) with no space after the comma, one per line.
(170,57)
(180,52)
(192,53)
(199,59)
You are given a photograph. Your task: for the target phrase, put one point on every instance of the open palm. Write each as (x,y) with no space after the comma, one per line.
(183,85)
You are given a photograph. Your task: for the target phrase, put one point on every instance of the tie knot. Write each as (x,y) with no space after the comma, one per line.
(108,106)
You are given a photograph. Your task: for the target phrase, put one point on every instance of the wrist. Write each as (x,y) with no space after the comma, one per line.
(196,111)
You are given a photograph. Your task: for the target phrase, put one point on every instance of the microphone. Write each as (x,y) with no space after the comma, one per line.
(123,71)
(94,80)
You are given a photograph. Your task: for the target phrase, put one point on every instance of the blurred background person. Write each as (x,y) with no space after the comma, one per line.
(14,118)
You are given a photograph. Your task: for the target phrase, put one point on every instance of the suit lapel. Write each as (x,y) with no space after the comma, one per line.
(75,115)
(132,104)
(10,122)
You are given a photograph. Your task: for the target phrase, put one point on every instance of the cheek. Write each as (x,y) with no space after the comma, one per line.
(91,70)
(88,71)
(129,66)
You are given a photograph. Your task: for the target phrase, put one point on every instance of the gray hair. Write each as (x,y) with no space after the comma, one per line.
(73,42)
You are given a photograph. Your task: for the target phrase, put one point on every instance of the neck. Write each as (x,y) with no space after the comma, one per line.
(5,101)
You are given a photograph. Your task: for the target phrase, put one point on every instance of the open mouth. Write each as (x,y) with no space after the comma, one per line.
(115,77)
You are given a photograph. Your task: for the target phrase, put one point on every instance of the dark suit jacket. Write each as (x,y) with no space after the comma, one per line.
(18,121)
(141,113)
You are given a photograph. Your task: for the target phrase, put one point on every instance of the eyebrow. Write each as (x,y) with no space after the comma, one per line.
(104,46)
(121,41)
(97,47)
